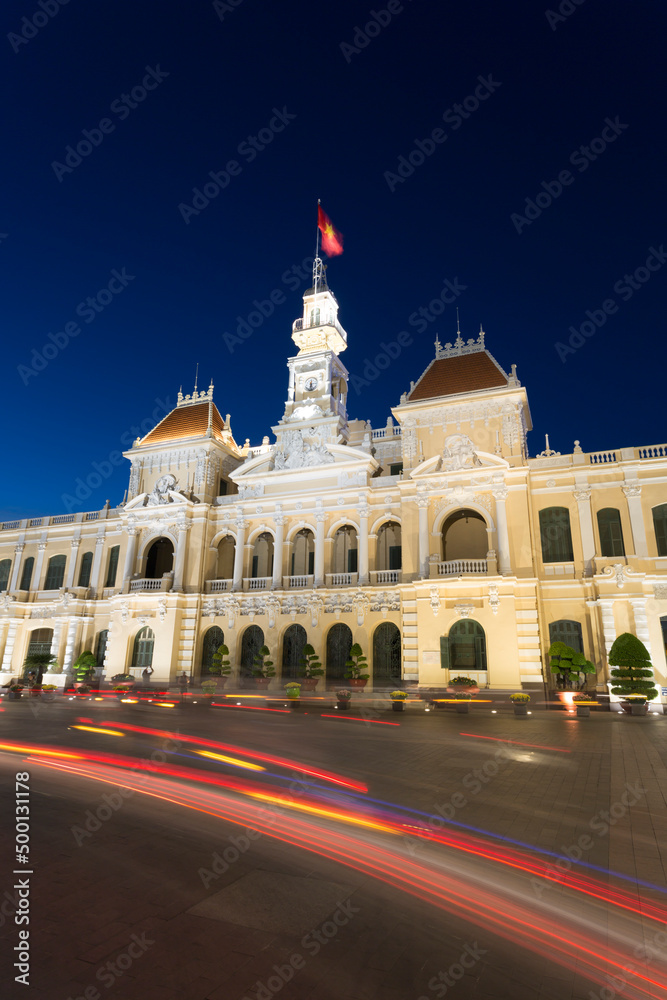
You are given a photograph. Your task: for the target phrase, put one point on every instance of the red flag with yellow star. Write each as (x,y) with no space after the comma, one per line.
(332,240)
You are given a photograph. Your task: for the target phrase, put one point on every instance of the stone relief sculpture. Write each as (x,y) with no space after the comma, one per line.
(301,449)
(459,453)
(160,492)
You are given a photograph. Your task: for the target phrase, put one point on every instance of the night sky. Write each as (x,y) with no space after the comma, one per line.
(307,102)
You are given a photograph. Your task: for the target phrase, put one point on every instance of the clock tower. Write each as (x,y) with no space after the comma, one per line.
(316,397)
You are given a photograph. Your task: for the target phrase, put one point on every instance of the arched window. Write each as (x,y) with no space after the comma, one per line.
(339,643)
(142,654)
(294,640)
(101,646)
(464,536)
(386,653)
(40,641)
(555,535)
(464,649)
(345,550)
(86,566)
(315,316)
(389,546)
(303,553)
(225,561)
(160,559)
(660,528)
(5,570)
(611,532)
(262,556)
(568,632)
(112,568)
(252,642)
(213,637)
(55,573)
(26,574)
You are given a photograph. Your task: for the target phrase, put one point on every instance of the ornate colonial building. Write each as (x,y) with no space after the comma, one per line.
(434,541)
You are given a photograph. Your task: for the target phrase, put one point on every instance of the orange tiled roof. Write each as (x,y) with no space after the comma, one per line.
(462,373)
(186,422)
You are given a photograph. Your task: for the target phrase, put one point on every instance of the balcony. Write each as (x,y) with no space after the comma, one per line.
(145,585)
(341,579)
(298,582)
(258,583)
(459,567)
(217,586)
(382,577)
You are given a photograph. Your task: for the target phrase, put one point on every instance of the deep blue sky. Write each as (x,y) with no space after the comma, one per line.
(355,115)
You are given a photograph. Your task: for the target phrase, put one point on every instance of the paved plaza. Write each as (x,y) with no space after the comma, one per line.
(125,912)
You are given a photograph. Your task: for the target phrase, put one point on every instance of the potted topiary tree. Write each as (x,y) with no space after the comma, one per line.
(84,669)
(221,667)
(263,669)
(633,675)
(34,667)
(356,664)
(310,668)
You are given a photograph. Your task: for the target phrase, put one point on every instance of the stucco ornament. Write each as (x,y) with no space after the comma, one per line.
(160,492)
(301,449)
(459,453)
(308,411)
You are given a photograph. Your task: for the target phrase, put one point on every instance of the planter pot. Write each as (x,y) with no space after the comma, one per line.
(461,689)
(356,682)
(262,682)
(48,695)
(634,708)
(294,704)
(35,692)
(463,707)
(308,683)
(343,705)
(397,706)
(14,695)
(520,709)
(583,711)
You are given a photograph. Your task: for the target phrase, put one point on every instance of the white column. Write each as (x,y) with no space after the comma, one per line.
(130,557)
(97,565)
(364,513)
(583,498)
(239,551)
(422,503)
(641,622)
(37,575)
(633,496)
(55,641)
(319,549)
(72,628)
(18,549)
(502,534)
(179,558)
(9,645)
(74,551)
(278,543)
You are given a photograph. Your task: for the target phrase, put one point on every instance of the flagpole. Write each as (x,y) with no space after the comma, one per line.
(317,263)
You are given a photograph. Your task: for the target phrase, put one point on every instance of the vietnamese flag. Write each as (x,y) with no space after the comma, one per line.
(332,240)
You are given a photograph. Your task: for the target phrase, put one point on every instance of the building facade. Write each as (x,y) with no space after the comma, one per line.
(435,541)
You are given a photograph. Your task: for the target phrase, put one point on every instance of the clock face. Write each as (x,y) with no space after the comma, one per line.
(310,384)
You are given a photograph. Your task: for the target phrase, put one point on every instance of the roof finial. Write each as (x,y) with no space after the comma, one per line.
(196,377)
(459,339)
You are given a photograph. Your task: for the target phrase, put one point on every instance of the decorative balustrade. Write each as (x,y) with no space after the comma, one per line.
(6,525)
(137,585)
(258,583)
(217,586)
(455,567)
(385,576)
(341,579)
(602,457)
(92,515)
(386,432)
(297,582)
(653,451)
(35,522)
(62,519)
